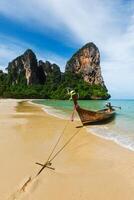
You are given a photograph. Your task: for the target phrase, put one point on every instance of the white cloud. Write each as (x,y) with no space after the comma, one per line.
(7,53)
(109,24)
(120,79)
(9,49)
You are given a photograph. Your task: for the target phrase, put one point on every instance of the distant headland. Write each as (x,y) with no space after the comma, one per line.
(27,77)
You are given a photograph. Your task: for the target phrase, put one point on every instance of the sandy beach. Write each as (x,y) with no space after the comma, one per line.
(89,168)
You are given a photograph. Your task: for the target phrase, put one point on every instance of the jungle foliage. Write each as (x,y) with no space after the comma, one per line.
(55,87)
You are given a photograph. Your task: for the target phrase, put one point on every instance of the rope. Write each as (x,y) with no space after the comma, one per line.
(48,159)
(61,149)
(48,162)
(30,179)
(61,135)
(68,141)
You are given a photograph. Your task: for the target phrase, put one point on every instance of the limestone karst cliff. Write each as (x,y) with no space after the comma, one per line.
(23,69)
(29,78)
(26,69)
(87,62)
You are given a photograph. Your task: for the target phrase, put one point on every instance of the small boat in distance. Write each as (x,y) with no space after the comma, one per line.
(93,117)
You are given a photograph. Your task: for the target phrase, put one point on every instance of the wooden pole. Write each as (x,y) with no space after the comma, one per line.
(46,165)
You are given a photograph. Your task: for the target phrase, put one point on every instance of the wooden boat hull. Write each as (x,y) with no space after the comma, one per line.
(91,117)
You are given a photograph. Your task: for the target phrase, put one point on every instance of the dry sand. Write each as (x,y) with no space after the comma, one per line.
(89,168)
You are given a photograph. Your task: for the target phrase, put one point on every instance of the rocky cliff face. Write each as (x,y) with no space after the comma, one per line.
(26,69)
(87,62)
(49,72)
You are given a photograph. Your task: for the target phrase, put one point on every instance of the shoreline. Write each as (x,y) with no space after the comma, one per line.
(89,167)
(89,129)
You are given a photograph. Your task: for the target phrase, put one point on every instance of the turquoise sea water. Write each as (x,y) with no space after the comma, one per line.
(120,130)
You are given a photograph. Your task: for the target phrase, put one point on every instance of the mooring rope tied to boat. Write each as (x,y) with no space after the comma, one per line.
(67,142)
(61,135)
(48,162)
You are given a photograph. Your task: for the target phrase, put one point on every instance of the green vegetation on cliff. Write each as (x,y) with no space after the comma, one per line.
(29,78)
(55,87)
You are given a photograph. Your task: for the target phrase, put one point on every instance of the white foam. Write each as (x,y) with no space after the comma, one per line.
(105,133)
(52,111)
(102,131)
(56,112)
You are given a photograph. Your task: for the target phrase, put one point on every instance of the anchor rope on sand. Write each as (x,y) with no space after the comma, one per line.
(47,163)
(61,135)
(67,142)
(49,160)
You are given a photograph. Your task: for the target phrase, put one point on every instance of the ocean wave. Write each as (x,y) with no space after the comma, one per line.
(55,112)
(102,131)
(52,111)
(105,133)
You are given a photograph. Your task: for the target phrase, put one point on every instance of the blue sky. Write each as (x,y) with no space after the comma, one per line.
(55,29)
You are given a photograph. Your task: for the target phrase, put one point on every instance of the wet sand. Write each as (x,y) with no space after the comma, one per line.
(88,168)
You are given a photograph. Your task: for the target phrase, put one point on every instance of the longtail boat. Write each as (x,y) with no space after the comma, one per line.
(93,117)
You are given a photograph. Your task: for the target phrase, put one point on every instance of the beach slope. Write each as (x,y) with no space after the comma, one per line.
(88,168)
